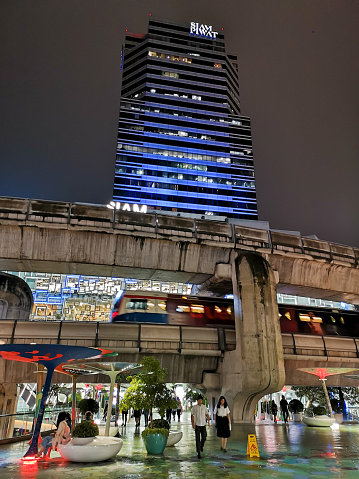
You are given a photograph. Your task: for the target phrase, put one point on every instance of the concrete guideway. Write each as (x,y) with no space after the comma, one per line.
(93,240)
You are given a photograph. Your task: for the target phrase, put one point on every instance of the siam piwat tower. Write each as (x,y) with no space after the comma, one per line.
(183,145)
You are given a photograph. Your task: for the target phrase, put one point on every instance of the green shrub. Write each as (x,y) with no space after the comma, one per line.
(295,406)
(88,405)
(161,424)
(157,430)
(319,411)
(85,429)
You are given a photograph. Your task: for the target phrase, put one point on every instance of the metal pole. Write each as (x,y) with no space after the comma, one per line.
(112,375)
(73,412)
(327,397)
(35,438)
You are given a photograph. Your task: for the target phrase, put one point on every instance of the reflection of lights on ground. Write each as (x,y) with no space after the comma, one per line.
(97,421)
(335,426)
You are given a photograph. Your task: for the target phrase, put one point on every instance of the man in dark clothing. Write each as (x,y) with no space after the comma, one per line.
(284,408)
(274,411)
(137,416)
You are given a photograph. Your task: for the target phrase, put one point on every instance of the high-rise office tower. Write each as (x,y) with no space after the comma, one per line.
(183,144)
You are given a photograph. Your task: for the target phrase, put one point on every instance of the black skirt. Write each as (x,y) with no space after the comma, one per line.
(223,426)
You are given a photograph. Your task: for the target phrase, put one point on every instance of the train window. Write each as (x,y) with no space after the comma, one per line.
(342,319)
(333,319)
(139,304)
(218,309)
(229,310)
(310,317)
(182,308)
(197,308)
(162,305)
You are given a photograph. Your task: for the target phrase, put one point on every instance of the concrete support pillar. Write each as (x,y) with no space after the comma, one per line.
(8,405)
(256,366)
(212,390)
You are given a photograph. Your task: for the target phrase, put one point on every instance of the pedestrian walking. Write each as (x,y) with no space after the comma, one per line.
(168,414)
(105,412)
(146,413)
(179,412)
(124,417)
(198,418)
(274,411)
(223,422)
(137,416)
(284,408)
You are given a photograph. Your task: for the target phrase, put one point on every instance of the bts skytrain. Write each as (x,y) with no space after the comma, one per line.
(162,308)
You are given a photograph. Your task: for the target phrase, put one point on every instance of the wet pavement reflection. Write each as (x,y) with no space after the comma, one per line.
(286,451)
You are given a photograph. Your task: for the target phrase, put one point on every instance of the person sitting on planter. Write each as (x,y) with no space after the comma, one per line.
(62,436)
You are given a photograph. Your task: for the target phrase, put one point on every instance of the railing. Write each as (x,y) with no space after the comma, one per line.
(229,233)
(125,337)
(21,424)
(321,347)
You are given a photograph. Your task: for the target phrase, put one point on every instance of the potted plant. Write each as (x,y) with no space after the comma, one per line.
(296,407)
(88,405)
(84,432)
(319,411)
(148,390)
(320,418)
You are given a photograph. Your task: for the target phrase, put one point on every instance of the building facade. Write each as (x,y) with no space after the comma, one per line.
(183,145)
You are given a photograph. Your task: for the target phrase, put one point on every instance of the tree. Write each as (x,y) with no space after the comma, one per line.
(316,394)
(313,393)
(148,390)
(88,405)
(191,394)
(295,406)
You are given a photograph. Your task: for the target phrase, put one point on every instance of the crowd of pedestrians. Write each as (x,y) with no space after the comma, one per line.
(200,419)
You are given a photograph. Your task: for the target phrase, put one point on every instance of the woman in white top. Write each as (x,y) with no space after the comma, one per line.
(223,422)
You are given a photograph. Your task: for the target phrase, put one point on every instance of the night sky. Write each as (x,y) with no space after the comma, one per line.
(299,80)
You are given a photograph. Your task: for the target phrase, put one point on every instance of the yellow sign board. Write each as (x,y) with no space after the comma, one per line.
(252,448)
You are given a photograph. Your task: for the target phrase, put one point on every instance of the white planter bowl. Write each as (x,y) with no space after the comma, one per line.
(318,421)
(174,437)
(112,432)
(101,448)
(81,441)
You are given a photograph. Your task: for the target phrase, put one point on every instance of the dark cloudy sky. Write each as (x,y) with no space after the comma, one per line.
(299,82)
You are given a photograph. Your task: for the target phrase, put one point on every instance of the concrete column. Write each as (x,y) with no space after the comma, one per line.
(256,367)
(8,405)
(212,390)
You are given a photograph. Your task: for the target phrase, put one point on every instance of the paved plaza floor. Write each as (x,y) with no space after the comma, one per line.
(286,451)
